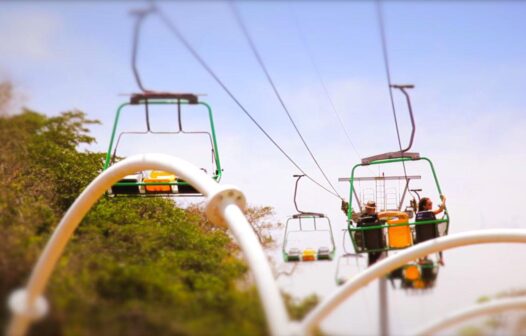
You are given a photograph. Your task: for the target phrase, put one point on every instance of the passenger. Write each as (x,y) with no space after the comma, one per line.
(426,204)
(426,212)
(370,210)
(374,238)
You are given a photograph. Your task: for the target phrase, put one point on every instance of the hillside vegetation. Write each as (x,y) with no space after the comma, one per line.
(134,267)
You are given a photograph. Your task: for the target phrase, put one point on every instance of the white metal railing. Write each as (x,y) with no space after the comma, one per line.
(224,207)
(481,309)
(383,267)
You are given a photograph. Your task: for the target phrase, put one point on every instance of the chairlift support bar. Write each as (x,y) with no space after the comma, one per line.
(382,178)
(404,153)
(375,178)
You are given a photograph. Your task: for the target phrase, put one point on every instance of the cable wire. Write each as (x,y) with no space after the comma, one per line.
(253,47)
(323,85)
(385,54)
(173,28)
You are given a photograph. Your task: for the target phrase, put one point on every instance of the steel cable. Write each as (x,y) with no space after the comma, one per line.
(385,55)
(173,28)
(253,47)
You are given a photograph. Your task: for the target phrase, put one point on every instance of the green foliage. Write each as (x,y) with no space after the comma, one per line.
(494,323)
(135,266)
(471,331)
(298,308)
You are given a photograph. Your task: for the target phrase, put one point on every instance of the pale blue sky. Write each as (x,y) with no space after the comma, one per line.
(465,58)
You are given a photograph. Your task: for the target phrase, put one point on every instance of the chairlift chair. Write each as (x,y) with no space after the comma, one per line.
(392,230)
(339,278)
(158,183)
(302,220)
(417,275)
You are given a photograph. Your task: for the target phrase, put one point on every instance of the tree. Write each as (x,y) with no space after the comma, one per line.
(135,266)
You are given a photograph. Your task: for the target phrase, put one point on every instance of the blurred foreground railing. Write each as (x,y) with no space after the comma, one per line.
(481,309)
(383,267)
(224,206)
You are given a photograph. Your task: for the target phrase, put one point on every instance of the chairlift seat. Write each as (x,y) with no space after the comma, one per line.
(428,269)
(425,231)
(412,272)
(309,255)
(128,189)
(324,253)
(186,188)
(374,238)
(419,284)
(294,254)
(158,176)
(397,273)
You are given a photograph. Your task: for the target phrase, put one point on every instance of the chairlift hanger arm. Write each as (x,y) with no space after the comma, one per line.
(402,152)
(140,15)
(302,213)
(410,109)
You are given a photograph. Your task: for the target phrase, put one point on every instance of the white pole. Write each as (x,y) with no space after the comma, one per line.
(28,304)
(386,265)
(273,302)
(383,307)
(482,309)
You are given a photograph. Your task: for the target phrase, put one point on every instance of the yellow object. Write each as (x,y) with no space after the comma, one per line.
(419,284)
(412,272)
(309,255)
(159,176)
(399,236)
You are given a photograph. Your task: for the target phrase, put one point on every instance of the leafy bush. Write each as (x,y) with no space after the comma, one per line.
(134,267)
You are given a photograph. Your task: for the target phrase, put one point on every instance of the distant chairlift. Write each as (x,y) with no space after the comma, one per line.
(159,183)
(345,261)
(303,223)
(417,275)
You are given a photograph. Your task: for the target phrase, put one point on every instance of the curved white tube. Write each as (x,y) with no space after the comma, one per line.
(386,265)
(223,207)
(482,309)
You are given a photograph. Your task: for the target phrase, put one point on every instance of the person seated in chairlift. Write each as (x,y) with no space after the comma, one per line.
(426,212)
(370,210)
(426,205)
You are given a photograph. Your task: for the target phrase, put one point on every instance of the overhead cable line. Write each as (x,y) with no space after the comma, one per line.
(252,45)
(324,86)
(385,54)
(173,28)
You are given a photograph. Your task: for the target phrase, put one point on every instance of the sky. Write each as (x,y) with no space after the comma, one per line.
(466,60)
